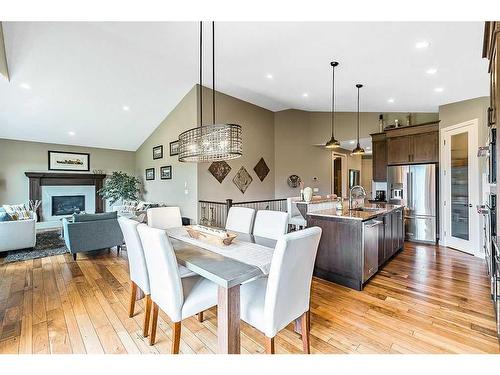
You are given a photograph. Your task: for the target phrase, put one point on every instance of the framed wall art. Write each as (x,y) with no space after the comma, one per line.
(157,152)
(166,172)
(69,161)
(150,174)
(174,148)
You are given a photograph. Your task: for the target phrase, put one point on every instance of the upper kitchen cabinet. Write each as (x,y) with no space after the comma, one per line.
(413,144)
(379,160)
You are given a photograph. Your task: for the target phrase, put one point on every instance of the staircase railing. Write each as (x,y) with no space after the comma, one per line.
(214,213)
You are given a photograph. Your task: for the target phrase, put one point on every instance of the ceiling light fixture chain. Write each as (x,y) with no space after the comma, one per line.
(213,142)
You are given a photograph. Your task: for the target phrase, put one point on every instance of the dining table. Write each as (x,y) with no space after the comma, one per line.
(246,259)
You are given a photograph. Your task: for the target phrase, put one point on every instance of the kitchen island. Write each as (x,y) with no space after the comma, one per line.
(355,243)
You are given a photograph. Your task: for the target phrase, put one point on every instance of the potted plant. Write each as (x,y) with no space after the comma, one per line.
(120,186)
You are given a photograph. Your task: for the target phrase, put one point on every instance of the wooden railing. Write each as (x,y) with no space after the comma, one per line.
(214,214)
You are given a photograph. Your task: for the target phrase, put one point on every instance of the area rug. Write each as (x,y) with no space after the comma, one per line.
(48,243)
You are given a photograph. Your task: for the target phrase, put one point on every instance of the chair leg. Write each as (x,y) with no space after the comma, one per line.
(74,256)
(269,345)
(133,293)
(154,322)
(304,323)
(147,314)
(200,316)
(118,248)
(176,337)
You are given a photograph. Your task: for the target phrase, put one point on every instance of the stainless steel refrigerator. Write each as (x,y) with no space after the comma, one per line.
(415,187)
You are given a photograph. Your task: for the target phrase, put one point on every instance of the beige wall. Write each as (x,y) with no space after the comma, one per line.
(174,191)
(17,157)
(299,134)
(258,141)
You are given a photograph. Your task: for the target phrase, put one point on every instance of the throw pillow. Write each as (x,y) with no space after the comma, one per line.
(4,216)
(18,209)
(129,206)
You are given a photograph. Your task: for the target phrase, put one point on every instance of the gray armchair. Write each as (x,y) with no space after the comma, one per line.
(87,232)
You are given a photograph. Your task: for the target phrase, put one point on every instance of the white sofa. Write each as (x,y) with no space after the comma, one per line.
(18,234)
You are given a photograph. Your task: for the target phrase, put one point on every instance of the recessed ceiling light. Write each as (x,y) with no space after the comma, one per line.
(305,95)
(352,142)
(71,133)
(422,44)
(390,100)
(438,89)
(126,108)
(431,71)
(270,76)
(368,148)
(25,86)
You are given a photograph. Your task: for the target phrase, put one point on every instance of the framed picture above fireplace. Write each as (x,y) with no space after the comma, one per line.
(69,161)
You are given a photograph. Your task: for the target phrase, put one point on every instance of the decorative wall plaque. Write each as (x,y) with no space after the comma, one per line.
(219,169)
(261,169)
(242,180)
(293,181)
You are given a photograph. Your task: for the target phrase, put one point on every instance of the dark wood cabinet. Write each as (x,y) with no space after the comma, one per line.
(393,236)
(398,150)
(413,144)
(405,145)
(379,159)
(425,147)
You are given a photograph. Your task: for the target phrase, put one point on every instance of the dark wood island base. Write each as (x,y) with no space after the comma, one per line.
(354,244)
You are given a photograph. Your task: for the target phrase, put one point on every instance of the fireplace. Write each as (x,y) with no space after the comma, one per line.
(67,204)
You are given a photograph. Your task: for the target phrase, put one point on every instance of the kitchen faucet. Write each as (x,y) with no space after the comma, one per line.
(356,188)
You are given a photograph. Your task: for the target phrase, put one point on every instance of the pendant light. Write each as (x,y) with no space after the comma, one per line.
(358,150)
(333,143)
(215,142)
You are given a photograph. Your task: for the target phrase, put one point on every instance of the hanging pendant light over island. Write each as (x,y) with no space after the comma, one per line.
(358,150)
(215,142)
(333,143)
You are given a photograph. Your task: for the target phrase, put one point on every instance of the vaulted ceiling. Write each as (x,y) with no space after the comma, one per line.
(111,84)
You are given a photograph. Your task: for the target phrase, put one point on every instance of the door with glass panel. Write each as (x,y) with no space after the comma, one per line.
(461,187)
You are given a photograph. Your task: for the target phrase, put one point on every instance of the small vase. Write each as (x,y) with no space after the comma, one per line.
(308,193)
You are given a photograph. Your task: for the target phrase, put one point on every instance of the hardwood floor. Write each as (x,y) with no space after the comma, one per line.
(425,300)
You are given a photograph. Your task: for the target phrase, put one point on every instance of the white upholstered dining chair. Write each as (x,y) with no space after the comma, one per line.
(295,218)
(178,297)
(137,267)
(270,224)
(270,304)
(240,219)
(164,217)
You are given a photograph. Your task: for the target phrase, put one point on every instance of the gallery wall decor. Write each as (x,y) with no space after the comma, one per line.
(293,181)
(166,172)
(150,174)
(174,148)
(242,180)
(219,169)
(69,161)
(261,169)
(157,152)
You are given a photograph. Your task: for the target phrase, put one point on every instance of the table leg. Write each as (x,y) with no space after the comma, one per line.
(228,320)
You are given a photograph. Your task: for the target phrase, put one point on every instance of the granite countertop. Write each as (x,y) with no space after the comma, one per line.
(357,215)
(314,201)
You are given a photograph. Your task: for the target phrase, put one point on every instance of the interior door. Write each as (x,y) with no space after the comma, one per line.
(461,186)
